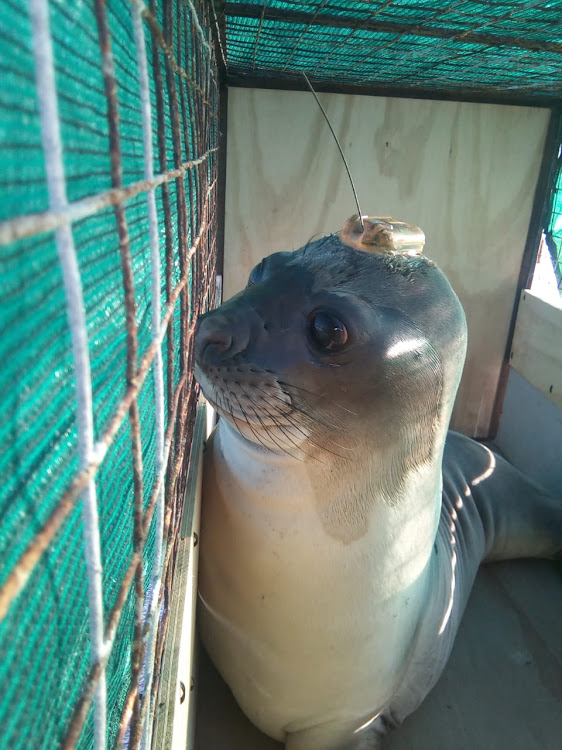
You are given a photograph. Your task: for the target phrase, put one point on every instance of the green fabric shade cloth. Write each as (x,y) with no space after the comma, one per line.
(45,635)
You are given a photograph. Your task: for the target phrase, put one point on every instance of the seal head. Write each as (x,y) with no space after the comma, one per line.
(330,337)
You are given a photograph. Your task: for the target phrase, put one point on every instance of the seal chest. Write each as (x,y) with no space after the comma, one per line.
(295,618)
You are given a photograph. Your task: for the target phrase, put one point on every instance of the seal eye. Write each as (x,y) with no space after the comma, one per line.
(327,332)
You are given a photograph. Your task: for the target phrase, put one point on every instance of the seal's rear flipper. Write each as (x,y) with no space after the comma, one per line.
(518,518)
(490,511)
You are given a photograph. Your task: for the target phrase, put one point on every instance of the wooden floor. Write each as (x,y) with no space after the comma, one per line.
(502,688)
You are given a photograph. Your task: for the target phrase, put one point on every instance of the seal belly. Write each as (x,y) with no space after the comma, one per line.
(299,650)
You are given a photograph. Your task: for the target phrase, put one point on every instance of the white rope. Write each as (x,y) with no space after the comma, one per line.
(144,9)
(52,149)
(156,578)
(223,54)
(198,27)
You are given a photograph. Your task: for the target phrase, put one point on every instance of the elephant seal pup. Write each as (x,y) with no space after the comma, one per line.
(342,526)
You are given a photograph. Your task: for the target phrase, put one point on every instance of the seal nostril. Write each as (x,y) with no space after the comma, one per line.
(221,341)
(212,341)
(221,338)
(215,346)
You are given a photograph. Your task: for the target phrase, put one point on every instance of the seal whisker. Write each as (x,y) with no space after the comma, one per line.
(288,437)
(267,432)
(221,403)
(317,395)
(291,440)
(314,419)
(293,422)
(247,421)
(323,447)
(227,409)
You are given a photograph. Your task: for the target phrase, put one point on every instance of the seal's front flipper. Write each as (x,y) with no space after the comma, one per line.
(518,518)
(336,735)
(365,742)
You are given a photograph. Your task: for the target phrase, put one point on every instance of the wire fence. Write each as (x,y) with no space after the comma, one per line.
(109,129)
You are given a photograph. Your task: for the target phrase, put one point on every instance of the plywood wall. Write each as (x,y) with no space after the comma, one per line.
(465,173)
(536,351)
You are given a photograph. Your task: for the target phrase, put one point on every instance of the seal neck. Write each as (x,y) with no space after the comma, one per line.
(347,500)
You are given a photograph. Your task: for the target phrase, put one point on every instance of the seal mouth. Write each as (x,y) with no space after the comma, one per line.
(257,407)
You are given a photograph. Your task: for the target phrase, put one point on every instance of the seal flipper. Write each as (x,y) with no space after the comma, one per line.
(518,517)
(324,737)
(490,511)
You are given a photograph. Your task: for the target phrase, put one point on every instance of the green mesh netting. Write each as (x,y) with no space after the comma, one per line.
(492,47)
(554,228)
(44,636)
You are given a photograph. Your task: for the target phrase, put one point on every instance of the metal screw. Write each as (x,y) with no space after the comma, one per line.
(182,692)
(195,539)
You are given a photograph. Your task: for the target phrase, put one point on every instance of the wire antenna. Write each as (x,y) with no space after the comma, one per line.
(338,145)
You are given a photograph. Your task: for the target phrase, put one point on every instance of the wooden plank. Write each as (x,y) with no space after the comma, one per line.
(447,167)
(539,219)
(175,713)
(536,353)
